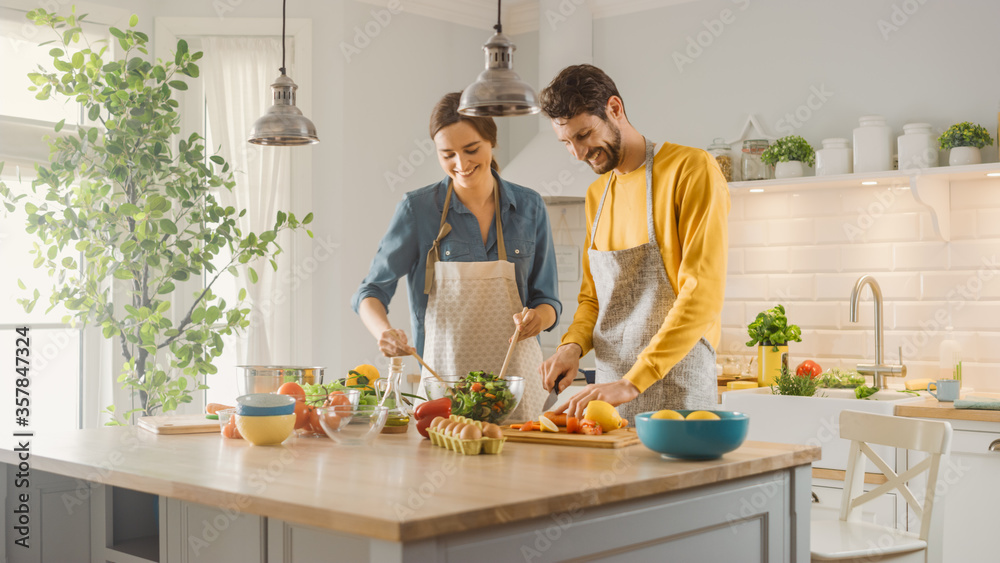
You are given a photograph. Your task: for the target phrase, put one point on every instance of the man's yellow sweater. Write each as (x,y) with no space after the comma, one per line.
(690,213)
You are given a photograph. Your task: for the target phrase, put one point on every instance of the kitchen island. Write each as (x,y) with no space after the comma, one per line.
(406,500)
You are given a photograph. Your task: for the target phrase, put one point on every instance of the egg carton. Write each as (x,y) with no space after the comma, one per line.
(467,447)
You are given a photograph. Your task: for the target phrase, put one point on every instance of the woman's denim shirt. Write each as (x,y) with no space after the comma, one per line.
(415,225)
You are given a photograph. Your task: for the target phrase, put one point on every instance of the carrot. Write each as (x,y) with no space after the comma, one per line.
(515,426)
(560,419)
(527,427)
(572,424)
(213,408)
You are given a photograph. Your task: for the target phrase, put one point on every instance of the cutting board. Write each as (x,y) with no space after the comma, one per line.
(614,439)
(179,424)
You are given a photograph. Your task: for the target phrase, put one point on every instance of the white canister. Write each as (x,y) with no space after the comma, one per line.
(872,145)
(917,147)
(834,158)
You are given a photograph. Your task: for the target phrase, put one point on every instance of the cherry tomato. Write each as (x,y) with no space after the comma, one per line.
(336,398)
(301,419)
(430,409)
(313,417)
(230,430)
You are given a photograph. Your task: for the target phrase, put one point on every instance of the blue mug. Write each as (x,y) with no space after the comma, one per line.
(947,389)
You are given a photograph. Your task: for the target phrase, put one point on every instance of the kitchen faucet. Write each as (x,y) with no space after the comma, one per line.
(878,370)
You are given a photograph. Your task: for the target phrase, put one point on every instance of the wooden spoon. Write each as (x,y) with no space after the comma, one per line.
(510,351)
(423,363)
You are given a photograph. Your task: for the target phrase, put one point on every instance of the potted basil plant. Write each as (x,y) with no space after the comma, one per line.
(787,155)
(771,333)
(965,139)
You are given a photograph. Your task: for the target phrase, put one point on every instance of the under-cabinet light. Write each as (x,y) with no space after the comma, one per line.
(756,190)
(869,183)
(993,174)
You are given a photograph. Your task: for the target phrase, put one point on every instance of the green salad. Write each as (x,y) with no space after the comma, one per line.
(481,396)
(316,394)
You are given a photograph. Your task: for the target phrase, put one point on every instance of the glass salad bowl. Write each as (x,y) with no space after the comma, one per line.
(479,395)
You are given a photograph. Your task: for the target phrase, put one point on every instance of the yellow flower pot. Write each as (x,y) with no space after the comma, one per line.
(770,359)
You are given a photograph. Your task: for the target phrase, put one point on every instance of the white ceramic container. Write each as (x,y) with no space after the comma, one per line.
(917,147)
(958,156)
(872,145)
(790,169)
(834,158)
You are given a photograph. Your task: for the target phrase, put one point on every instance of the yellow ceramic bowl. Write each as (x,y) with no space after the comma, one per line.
(265,430)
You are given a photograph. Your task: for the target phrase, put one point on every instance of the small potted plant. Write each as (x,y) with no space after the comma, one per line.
(787,155)
(771,333)
(965,139)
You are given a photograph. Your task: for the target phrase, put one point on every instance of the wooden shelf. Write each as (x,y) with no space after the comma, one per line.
(931,187)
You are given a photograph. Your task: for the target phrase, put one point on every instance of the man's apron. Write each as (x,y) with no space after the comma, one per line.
(634,296)
(469,319)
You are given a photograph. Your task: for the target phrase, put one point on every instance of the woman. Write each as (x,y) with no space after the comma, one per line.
(475,249)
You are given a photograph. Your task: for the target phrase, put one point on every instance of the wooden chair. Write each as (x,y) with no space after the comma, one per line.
(851,539)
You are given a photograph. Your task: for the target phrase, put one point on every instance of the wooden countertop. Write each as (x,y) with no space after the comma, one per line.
(932,408)
(400,489)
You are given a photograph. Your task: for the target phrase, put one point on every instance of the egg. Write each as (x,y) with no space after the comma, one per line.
(446,427)
(470,432)
(492,431)
(456,430)
(438,420)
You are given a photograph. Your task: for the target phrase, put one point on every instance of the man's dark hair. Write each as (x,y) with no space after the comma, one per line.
(578,89)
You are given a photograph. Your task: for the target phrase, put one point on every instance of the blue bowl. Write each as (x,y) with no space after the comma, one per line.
(264,404)
(693,439)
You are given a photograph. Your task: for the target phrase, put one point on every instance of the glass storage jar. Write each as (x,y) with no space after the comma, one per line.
(834,158)
(720,150)
(918,147)
(753,167)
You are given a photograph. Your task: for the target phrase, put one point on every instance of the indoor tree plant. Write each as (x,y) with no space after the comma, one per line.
(771,333)
(787,155)
(141,212)
(965,139)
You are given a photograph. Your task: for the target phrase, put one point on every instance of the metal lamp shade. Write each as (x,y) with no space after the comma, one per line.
(283,124)
(498,91)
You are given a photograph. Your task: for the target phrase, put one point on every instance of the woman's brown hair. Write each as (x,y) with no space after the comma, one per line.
(445,113)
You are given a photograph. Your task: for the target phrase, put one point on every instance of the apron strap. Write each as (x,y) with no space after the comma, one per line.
(501,249)
(649,196)
(434,254)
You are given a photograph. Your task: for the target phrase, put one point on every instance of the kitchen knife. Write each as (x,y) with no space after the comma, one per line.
(553,396)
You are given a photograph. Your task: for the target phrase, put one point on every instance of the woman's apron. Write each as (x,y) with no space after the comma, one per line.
(634,297)
(469,319)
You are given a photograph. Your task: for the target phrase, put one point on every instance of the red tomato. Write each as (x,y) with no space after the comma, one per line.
(810,368)
(293,389)
(331,419)
(300,414)
(313,419)
(422,425)
(230,430)
(430,409)
(336,398)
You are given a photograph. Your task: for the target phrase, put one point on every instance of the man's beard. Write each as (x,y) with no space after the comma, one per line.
(612,150)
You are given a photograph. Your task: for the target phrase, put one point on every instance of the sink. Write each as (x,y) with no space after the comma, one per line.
(813,421)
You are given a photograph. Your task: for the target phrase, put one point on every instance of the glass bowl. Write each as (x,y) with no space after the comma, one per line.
(267,379)
(310,427)
(490,401)
(350,425)
(693,439)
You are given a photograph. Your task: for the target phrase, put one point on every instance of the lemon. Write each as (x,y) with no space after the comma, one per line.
(368,371)
(668,415)
(703,415)
(604,414)
(547,425)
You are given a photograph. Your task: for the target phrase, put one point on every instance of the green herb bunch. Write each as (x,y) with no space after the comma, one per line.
(771,328)
(785,149)
(965,134)
(787,383)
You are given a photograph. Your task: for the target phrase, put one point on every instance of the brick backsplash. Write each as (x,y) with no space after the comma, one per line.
(926,282)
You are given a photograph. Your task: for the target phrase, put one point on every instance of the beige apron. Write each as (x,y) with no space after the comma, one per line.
(469,319)
(634,296)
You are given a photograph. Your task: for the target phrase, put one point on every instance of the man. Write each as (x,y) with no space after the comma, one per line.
(654,270)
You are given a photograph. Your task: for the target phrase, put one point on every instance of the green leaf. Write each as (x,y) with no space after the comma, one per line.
(178,85)
(116,32)
(57,52)
(133,21)
(217,159)
(168,226)
(78,60)
(308,219)
(253,275)
(94,112)
(22,286)
(59,125)
(241,296)
(123,274)
(128,209)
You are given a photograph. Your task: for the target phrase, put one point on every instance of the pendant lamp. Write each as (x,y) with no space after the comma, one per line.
(498,91)
(283,125)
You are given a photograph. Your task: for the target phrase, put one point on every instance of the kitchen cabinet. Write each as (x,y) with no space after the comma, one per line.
(931,187)
(405,500)
(58,512)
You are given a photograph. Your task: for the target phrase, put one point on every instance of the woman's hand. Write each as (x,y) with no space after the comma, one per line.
(534,321)
(615,393)
(392,342)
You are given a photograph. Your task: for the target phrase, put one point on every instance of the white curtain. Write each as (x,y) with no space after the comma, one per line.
(238,72)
